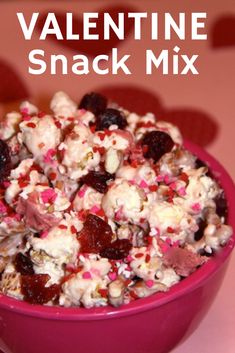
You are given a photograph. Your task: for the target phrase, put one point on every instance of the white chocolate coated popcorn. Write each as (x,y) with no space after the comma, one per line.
(62,105)
(79,156)
(123,198)
(40,135)
(86,212)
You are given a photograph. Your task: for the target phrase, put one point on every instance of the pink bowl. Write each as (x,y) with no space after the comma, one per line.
(150,325)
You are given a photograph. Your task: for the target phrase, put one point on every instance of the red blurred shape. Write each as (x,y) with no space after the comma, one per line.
(133,98)
(195,125)
(12,87)
(223,32)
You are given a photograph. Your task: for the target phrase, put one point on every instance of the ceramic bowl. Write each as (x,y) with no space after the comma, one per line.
(149,325)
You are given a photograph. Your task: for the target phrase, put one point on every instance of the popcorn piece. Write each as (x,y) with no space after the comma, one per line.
(79,156)
(200,192)
(84,291)
(117,139)
(142,268)
(22,169)
(123,201)
(40,135)
(59,243)
(168,277)
(28,108)
(84,286)
(164,215)
(50,253)
(9,126)
(87,198)
(62,105)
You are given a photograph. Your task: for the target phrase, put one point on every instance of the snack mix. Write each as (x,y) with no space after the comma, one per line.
(100,206)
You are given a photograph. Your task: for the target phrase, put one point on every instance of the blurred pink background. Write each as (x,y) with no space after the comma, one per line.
(202,106)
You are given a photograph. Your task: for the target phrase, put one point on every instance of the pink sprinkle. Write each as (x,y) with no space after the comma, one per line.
(86,275)
(82,191)
(8,220)
(112,276)
(154,232)
(164,247)
(157,230)
(48,196)
(129,258)
(149,283)
(143,184)
(3,208)
(17,217)
(175,244)
(173,186)
(95,271)
(196,207)
(25,110)
(70,267)
(132,182)
(26,117)
(182,191)
(168,241)
(119,214)
(44,234)
(159,178)
(81,112)
(48,157)
(167,179)
(95,209)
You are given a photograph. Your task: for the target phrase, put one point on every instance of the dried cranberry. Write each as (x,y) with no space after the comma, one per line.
(202,252)
(5,160)
(199,164)
(202,224)
(158,143)
(23,264)
(97,180)
(94,102)
(221,205)
(95,235)
(35,291)
(117,250)
(137,278)
(111,117)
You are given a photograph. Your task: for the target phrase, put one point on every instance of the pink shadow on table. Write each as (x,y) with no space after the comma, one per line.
(196,125)
(12,86)
(223,32)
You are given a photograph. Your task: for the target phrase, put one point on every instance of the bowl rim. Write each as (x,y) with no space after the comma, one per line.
(196,279)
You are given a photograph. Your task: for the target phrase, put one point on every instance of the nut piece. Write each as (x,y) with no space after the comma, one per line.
(10,285)
(112,160)
(116,292)
(142,290)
